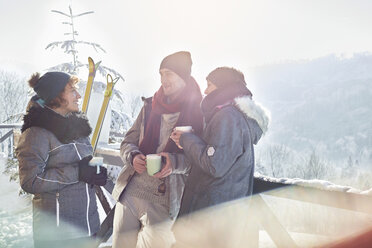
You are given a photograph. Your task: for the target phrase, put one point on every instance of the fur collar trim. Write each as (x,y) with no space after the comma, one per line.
(255,111)
(66,129)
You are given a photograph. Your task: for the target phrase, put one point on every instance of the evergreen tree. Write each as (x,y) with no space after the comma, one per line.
(70,47)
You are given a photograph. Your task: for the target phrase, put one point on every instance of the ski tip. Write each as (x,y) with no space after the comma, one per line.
(97,64)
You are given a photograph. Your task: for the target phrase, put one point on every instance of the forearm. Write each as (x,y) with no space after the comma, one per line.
(195,150)
(219,151)
(180,163)
(130,143)
(52,179)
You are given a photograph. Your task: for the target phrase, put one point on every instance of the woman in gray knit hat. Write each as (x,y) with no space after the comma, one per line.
(53,153)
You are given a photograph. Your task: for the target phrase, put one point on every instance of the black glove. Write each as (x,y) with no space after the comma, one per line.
(88,174)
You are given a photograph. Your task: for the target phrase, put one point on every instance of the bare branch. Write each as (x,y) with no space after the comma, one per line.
(85,13)
(54,44)
(60,12)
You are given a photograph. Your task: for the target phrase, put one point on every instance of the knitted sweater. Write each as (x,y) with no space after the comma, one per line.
(146,187)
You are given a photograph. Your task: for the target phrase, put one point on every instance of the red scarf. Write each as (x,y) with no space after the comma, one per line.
(188,104)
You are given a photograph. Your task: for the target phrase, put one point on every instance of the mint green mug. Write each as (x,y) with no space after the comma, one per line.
(153,164)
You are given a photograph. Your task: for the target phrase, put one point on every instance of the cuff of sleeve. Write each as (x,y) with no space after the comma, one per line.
(183,138)
(132,155)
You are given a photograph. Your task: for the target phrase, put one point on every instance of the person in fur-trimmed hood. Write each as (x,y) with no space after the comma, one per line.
(53,153)
(223,158)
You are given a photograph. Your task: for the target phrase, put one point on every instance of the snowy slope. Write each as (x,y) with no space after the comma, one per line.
(322,103)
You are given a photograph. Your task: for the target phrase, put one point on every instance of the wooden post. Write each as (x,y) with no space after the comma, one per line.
(271,224)
(252,234)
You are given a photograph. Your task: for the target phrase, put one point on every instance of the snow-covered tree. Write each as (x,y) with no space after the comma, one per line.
(315,168)
(70,47)
(277,159)
(13,96)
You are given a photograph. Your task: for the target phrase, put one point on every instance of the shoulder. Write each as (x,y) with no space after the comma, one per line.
(34,139)
(228,113)
(36,136)
(146,100)
(37,133)
(227,118)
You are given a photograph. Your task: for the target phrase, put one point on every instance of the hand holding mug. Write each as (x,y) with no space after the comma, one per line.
(139,163)
(177,132)
(167,167)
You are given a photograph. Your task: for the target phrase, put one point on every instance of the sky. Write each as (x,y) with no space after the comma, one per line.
(137,35)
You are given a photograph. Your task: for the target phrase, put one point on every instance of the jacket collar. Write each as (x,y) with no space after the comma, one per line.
(66,129)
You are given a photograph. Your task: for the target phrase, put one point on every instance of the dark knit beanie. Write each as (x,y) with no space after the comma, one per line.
(51,84)
(180,63)
(223,77)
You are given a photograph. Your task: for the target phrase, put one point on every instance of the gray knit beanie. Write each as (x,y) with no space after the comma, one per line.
(180,63)
(51,84)
(224,77)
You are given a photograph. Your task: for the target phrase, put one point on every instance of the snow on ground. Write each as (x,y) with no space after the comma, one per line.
(15,214)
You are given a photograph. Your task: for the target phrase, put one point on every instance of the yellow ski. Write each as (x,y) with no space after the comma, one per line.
(92,73)
(108,93)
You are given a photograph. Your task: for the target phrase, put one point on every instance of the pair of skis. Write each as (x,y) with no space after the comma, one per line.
(97,131)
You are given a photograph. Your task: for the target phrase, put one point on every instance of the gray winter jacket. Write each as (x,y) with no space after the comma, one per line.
(63,207)
(130,146)
(224,156)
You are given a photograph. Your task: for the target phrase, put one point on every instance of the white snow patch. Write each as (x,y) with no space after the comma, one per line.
(367,192)
(314,183)
(15,213)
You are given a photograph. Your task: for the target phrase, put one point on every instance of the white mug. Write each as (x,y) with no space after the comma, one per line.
(98,162)
(186,129)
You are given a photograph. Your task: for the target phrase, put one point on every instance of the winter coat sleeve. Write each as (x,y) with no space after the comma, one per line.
(180,163)
(130,144)
(35,177)
(221,148)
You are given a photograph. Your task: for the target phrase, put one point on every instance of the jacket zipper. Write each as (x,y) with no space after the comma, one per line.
(88,198)
(88,202)
(57,208)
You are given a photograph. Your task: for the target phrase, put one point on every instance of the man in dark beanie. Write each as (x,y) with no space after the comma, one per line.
(147,205)
(222,160)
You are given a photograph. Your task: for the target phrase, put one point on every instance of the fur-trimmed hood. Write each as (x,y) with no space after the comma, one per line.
(66,129)
(255,111)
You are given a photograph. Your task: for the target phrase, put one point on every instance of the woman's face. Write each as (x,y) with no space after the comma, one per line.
(172,83)
(210,87)
(71,96)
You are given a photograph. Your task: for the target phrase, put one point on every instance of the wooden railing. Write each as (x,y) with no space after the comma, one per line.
(270,223)
(10,133)
(265,219)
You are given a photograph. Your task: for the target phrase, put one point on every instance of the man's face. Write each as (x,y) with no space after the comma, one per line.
(172,83)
